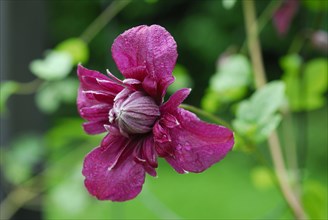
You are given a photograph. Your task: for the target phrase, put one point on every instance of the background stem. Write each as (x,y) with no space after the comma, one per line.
(100,22)
(273,140)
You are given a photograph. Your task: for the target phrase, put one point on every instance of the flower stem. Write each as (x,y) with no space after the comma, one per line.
(264,18)
(28,88)
(273,140)
(207,115)
(114,8)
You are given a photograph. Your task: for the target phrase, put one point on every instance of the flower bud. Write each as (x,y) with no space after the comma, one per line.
(134,113)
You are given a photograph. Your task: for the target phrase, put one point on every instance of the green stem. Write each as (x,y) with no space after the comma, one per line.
(264,18)
(28,87)
(274,143)
(99,23)
(207,115)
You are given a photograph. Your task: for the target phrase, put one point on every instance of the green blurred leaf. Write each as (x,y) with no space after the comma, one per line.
(256,117)
(228,4)
(151,1)
(315,77)
(65,131)
(69,199)
(182,79)
(291,64)
(315,200)
(230,82)
(305,91)
(52,94)
(77,48)
(56,65)
(316,5)
(210,101)
(6,90)
(21,157)
(262,177)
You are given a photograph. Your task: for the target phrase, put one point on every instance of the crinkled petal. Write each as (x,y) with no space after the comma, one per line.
(95,98)
(148,54)
(196,145)
(111,172)
(146,155)
(95,127)
(175,100)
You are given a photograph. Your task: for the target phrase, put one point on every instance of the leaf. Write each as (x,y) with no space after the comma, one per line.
(67,197)
(315,200)
(56,65)
(182,79)
(305,91)
(210,101)
(77,48)
(262,178)
(52,94)
(263,103)
(21,157)
(316,5)
(230,82)
(6,90)
(228,4)
(256,117)
(315,77)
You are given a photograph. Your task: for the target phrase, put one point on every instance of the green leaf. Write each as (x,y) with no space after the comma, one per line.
(228,4)
(256,117)
(291,64)
(182,79)
(210,101)
(316,5)
(56,65)
(262,178)
(6,90)
(77,48)
(151,1)
(315,200)
(263,103)
(315,77)
(230,82)
(52,94)
(305,91)
(21,157)
(67,197)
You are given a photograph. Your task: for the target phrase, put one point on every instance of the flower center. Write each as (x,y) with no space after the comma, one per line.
(134,112)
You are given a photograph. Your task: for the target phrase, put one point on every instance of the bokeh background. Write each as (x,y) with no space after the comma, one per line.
(43,144)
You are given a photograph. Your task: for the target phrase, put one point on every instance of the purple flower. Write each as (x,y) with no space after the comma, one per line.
(283,17)
(140,127)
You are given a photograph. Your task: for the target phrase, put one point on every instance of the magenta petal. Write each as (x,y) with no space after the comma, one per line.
(283,17)
(110,179)
(94,127)
(146,52)
(175,100)
(197,145)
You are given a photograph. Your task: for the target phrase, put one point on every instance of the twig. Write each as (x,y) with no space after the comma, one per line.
(260,80)
(207,115)
(100,22)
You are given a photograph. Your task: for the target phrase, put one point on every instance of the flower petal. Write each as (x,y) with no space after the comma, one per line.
(94,127)
(283,17)
(95,98)
(111,172)
(175,100)
(196,145)
(148,54)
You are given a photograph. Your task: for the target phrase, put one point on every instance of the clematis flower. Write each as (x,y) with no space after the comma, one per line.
(139,126)
(284,15)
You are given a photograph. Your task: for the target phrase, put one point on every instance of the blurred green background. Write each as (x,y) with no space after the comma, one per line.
(43,144)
